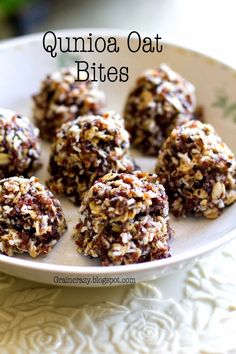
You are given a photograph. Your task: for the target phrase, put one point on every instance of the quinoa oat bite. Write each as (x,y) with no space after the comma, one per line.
(86,149)
(62,98)
(160,100)
(31,219)
(123,219)
(197,170)
(19,145)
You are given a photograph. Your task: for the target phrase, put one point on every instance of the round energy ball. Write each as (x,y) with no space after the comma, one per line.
(31,219)
(197,170)
(160,100)
(62,98)
(86,149)
(123,219)
(19,145)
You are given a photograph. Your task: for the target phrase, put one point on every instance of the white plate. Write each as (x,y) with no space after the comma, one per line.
(24,63)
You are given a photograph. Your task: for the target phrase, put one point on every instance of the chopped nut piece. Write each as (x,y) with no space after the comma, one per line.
(210,184)
(119,232)
(218,191)
(230,197)
(4,158)
(211,213)
(198,175)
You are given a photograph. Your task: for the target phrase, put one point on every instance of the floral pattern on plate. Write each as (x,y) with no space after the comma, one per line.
(32,320)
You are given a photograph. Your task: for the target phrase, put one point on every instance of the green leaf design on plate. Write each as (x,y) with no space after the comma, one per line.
(227,106)
(66,60)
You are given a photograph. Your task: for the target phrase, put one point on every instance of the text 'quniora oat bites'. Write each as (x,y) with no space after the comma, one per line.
(19,145)
(160,100)
(31,218)
(84,150)
(124,219)
(63,98)
(197,170)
